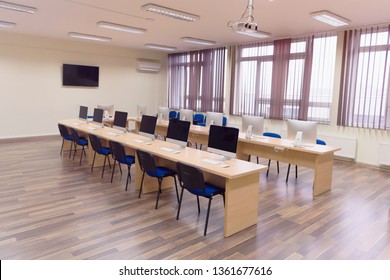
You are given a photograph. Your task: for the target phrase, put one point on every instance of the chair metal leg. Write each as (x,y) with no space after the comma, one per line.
(104,163)
(197,200)
(120,167)
(81,157)
(249,158)
(159,191)
(113,169)
(177,192)
(142,183)
(128,176)
(257,159)
(180,201)
(71,146)
(62,146)
(296,171)
(269,164)
(109,163)
(277,165)
(75,149)
(207,217)
(288,172)
(93,162)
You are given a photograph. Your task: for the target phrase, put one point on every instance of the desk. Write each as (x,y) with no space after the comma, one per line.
(241,179)
(316,157)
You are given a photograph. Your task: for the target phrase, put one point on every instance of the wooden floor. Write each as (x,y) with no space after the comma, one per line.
(51,208)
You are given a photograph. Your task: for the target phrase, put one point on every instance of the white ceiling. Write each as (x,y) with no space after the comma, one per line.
(281,18)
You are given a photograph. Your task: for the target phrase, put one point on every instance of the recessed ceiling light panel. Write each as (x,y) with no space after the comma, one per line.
(119,27)
(17,7)
(160,47)
(88,37)
(6,24)
(198,41)
(170,12)
(330,18)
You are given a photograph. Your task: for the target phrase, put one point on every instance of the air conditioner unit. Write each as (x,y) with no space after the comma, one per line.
(148,65)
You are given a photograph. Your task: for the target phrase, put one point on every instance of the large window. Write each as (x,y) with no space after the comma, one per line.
(286,79)
(365,92)
(196,80)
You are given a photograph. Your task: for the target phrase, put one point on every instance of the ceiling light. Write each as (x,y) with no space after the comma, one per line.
(170,12)
(330,18)
(160,47)
(120,27)
(246,24)
(17,7)
(88,37)
(198,41)
(6,24)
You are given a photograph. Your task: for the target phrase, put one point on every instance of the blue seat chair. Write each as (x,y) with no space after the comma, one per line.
(318,142)
(65,137)
(274,135)
(191,178)
(224,121)
(148,166)
(119,155)
(78,141)
(99,149)
(172,115)
(198,119)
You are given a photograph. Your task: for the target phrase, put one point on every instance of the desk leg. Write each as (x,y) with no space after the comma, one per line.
(323,174)
(241,203)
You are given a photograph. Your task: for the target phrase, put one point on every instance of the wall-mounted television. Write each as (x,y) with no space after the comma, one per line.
(80,75)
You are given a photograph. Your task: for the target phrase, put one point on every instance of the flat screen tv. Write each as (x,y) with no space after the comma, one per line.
(80,75)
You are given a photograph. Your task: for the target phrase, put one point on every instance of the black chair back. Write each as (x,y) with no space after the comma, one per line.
(118,151)
(63,131)
(147,162)
(75,135)
(95,143)
(190,177)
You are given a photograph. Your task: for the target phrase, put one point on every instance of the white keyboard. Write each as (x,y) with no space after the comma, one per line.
(211,161)
(112,133)
(92,127)
(139,141)
(76,124)
(167,149)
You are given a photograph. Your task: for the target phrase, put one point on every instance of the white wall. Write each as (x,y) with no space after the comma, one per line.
(33,98)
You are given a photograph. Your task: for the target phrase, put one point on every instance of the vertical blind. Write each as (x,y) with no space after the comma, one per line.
(196,80)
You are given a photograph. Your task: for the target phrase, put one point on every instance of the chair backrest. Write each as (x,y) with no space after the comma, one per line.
(75,135)
(320,142)
(272,134)
(118,151)
(224,121)
(190,177)
(147,162)
(198,118)
(63,131)
(95,143)
(172,114)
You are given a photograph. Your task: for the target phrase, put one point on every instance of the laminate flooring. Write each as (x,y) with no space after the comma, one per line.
(52,208)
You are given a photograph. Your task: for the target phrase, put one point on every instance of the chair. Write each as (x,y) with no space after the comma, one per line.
(65,136)
(274,135)
(198,119)
(318,142)
(191,178)
(172,115)
(99,149)
(80,141)
(147,164)
(119,155)
(224,121)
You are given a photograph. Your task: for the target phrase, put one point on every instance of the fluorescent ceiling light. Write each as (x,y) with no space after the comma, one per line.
(330,18)
(88,37)
(198,41)
(6,24)
(17,7)
(119,27)
(160,47)
(169,12)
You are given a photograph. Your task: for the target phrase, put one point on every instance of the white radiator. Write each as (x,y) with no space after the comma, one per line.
(384,153)
(348,145)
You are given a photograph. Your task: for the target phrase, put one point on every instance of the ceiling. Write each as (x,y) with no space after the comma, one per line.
(281,18)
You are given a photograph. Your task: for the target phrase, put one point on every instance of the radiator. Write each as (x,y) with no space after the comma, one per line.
(384,154)
(348,145)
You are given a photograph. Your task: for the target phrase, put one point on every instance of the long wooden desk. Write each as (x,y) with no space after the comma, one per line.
(241,179)
(316,157)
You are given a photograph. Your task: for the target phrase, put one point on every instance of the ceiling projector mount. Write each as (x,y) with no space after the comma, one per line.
(246,24)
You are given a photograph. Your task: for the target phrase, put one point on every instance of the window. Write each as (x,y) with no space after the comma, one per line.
(286,79)
(365,92)
(196,80)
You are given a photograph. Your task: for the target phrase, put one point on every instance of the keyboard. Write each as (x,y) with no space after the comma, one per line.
(211,161)
(167,149)
(112,133)
(139,141)
(76,124)
(92,127)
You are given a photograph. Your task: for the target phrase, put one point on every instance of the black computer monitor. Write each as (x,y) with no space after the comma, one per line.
(178,132)
(148,126)
(223,140)
(98,116)
(83,113)
(120,120)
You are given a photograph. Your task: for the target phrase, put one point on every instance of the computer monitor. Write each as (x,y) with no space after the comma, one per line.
(148,126)
(107,108)
(98,116)
(178,132)
(163,113)
(223,141)
(83,113)
(214,118)
(120,120)
(256,123)
(302,132)
(141,110)
(187,115)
